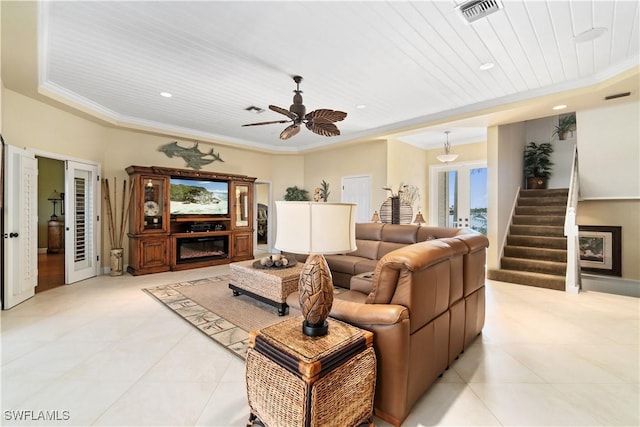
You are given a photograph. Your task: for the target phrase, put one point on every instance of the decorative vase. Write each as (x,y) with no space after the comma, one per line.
(395,210)
(536,183)
(116,262)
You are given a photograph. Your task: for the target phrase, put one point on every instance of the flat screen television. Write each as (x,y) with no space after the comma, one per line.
(198,197)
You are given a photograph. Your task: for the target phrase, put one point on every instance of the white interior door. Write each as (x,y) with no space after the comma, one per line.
(82,236)
(458,195)
(357,189)
(20,225)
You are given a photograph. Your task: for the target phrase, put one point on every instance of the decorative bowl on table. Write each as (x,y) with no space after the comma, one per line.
(275,261)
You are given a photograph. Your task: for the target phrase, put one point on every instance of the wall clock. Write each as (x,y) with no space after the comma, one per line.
(151,208)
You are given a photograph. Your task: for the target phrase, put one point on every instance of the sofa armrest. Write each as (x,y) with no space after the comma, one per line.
(369,314)
(360,313)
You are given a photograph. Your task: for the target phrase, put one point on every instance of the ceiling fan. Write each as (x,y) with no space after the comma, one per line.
(319,121)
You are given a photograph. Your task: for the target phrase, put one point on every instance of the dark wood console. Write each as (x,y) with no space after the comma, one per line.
(163,238)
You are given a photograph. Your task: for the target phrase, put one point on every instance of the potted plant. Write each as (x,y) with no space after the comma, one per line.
(565,125)
(296,194)
(537,164)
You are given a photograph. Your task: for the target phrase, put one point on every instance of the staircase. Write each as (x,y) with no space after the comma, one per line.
(536,249)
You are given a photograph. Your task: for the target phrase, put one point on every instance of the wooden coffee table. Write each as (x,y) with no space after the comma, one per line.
(271,286)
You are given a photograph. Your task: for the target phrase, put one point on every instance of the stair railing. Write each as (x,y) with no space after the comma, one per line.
(573,277)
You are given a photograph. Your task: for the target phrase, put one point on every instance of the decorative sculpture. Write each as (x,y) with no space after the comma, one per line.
(195,158)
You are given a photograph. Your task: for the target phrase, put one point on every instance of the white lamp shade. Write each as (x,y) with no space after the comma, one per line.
(445,158)
(312,227)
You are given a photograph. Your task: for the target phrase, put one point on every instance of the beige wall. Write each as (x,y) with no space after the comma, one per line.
(367,158)
(505,145)
(33,124)
(407,164)
(609,138)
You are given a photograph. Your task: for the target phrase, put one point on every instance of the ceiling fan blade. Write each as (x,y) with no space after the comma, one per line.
(326,115)
(324,129)
(292,116)
(290,131)
(267,123)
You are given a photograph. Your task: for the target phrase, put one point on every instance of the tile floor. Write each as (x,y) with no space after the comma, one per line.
(102,352)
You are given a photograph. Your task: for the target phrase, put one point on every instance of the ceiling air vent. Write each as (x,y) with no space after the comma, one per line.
(477,9)
(617,95)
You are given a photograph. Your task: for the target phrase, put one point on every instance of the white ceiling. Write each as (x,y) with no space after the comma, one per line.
(410,63)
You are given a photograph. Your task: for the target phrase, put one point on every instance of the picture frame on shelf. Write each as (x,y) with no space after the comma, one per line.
(600,249)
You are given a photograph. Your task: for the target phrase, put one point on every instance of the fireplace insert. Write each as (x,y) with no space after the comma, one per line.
(192,249)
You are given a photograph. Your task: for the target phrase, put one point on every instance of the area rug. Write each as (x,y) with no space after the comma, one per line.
(209,305)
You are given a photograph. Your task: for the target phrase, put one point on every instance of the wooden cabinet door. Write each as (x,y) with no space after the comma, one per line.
(149,255)
(154,253)
(150,206)
(242,246)
(242,206)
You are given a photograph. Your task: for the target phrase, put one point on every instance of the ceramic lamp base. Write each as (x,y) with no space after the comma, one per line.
(316,295)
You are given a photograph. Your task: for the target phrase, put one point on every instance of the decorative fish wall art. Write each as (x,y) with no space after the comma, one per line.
(194,158)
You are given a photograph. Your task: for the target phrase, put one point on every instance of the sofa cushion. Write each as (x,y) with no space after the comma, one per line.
(386,247)
(366,265)
(431,232)
(457,278)
(366,249)
(343,263)
(400,233)
(410,258)
(369,231)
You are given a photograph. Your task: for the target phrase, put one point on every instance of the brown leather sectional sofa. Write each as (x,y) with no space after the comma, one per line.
(425,303)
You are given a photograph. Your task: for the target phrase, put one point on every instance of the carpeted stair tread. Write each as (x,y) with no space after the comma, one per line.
(549,192)
(539,280)
(537,241)
(558,210)
(542,201)
(543,254)
(537,230)
(538,220)
(534,266)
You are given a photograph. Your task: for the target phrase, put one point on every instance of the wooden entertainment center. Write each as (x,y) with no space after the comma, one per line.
(161,238)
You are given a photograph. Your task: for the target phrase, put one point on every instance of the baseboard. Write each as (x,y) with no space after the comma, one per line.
(107,269)
(42,250)
(611,285)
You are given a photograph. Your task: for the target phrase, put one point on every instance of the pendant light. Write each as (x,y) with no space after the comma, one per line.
(448,156)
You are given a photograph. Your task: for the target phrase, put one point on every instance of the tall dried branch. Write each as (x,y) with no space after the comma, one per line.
(116,229)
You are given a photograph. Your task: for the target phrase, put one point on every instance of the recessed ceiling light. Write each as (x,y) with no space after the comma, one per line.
(487,66)
(361,106)
(559,107)
(166,94)
(590,34)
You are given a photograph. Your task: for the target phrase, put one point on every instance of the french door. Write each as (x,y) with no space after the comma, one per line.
(458,195)
(82,237)
(20,226)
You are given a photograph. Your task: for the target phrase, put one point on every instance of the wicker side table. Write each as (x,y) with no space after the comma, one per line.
(296,380)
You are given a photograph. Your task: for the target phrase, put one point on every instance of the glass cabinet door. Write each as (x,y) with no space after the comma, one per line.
(242,205)
(153,207)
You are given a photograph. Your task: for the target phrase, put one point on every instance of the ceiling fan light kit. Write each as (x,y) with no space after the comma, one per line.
(320,122)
